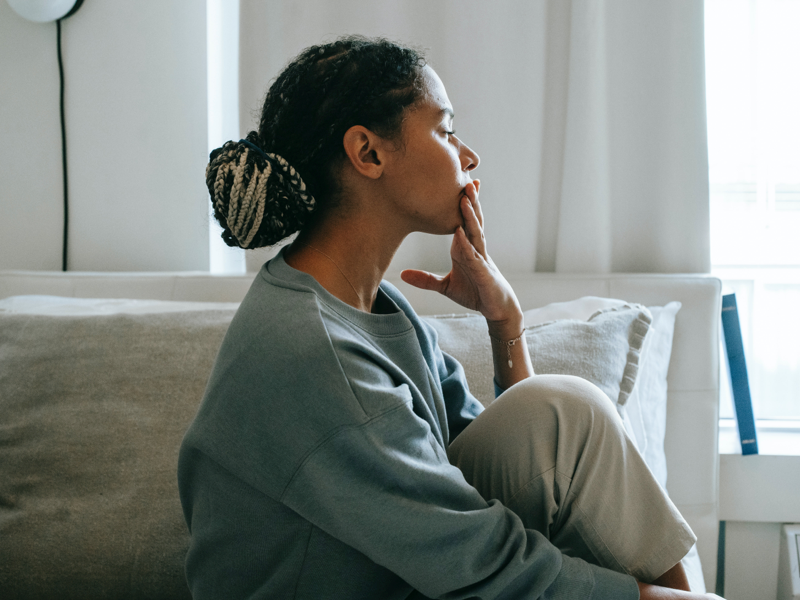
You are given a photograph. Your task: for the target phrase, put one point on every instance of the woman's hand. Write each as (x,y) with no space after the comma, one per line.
(474,281)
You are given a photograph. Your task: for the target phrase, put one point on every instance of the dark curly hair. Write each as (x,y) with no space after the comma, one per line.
(283,176)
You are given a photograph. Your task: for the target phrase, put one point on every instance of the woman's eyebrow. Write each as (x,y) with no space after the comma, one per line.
(447,111)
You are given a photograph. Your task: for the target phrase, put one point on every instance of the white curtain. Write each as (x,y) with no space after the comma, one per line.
(589,116)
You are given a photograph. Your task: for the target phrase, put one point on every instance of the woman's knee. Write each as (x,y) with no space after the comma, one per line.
(531,428)
(559,396)
(529,417)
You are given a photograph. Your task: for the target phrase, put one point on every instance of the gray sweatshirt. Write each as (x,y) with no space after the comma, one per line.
(316,467)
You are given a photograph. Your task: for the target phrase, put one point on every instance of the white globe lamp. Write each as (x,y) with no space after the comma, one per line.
(44,11)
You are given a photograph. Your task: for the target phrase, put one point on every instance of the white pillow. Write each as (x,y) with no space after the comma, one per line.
(647,406)
(645,412)
(603,349)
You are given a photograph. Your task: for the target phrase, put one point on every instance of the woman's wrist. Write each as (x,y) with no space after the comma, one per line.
(512,362)
(508,328)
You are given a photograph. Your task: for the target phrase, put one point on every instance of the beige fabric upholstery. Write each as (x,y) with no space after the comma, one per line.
(92,413)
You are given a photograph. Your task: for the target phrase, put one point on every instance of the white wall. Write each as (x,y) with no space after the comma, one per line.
(136,130)
(30,150)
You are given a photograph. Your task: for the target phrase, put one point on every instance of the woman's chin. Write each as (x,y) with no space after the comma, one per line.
(452,228)
(445,224)
(442,229)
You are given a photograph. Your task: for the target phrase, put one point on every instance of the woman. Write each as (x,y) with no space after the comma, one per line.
(338,452)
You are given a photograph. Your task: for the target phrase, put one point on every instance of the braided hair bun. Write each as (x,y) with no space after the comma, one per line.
(257,196)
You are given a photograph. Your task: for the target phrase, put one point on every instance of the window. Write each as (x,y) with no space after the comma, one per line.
(753,99)
(222,61)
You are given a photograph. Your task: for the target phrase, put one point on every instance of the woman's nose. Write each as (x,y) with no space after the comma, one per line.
(469,158)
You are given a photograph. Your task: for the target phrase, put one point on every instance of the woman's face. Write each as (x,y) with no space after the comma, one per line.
(429,172)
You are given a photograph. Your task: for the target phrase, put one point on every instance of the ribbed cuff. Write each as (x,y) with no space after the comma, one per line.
(611,584)
(579,580)
(497,389)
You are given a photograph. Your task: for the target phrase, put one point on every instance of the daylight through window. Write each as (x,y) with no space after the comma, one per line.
(753,96)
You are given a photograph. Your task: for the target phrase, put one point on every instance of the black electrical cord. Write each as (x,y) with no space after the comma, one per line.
(63,148)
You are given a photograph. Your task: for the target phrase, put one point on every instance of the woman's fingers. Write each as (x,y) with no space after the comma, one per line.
(471,191)
(473,226)
(424,280)
(468,250)
(476,205)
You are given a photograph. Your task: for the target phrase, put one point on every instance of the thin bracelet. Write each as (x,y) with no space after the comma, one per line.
(508,344)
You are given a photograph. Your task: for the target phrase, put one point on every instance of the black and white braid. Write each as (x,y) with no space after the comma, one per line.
(257,196)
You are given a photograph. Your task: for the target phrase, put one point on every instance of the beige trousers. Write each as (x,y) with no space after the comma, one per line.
(553,449)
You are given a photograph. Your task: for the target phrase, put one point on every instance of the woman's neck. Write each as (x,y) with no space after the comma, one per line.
(347,257)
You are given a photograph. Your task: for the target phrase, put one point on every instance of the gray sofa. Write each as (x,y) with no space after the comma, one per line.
(95,397)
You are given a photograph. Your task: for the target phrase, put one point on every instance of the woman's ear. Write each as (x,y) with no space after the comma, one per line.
(365,150)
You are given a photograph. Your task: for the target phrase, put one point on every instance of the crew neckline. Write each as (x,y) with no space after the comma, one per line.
(279,272)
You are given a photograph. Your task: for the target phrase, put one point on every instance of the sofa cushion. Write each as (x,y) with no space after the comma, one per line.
(92,413)
(604,349)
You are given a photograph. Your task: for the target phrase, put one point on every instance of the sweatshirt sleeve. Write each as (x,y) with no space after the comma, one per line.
(462,407)
(386,488)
